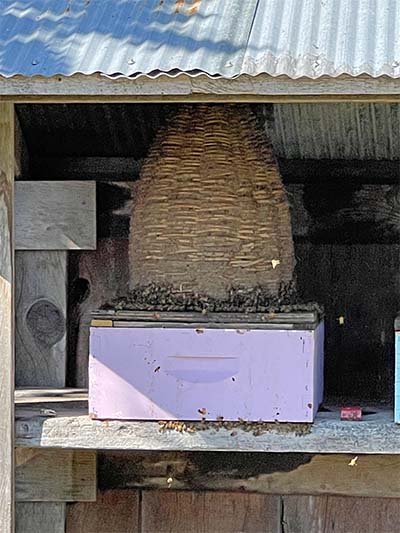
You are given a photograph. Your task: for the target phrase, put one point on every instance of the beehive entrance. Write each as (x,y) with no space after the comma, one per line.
(210,213)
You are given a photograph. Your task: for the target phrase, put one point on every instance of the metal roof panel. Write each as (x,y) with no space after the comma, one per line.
(225,38)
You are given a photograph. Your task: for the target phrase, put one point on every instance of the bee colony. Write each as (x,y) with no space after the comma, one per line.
(212,327)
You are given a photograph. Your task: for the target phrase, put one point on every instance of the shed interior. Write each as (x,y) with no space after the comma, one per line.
(340,165)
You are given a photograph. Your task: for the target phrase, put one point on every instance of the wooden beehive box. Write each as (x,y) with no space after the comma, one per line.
(184,366)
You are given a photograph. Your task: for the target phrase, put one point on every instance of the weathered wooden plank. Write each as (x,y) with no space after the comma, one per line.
(340,514)
(55,215)
(115,511)
(205,512)
(304,513)
(55,475)
(41,306)
(374,475)
(376,434)
(40,517)
(262,88)
(6,318)
(26,395)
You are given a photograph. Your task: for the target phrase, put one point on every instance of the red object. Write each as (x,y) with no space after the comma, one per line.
(351,413)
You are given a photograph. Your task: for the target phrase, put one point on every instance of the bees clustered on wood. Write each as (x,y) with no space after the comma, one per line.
(256,428)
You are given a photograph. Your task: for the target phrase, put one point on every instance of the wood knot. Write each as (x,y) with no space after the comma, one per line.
(45,322)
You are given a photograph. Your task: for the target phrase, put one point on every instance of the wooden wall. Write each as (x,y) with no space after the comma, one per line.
(169,511)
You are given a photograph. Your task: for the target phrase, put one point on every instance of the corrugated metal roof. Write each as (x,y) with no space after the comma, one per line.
(336,131)
(298,131)
(216,37)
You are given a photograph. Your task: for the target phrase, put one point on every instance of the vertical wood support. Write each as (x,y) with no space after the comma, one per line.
(40,322)
(40,297)
(6,318)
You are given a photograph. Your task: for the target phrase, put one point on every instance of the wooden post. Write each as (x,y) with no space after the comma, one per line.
(6,318)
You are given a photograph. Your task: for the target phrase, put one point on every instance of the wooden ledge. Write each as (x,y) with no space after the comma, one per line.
(69,426)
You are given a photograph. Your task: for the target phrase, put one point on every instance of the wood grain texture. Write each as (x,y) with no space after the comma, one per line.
(40,517)
(101,275)
(55,475)
(41,307)
(262,88)
(207,512)
(55,215)
(374,475)
(115,511)
(6,318)
(333,514)
(377,434)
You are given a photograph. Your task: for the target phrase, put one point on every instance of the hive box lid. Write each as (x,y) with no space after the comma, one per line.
(182,319)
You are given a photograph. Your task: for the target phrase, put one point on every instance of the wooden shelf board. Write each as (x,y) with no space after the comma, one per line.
(69,426)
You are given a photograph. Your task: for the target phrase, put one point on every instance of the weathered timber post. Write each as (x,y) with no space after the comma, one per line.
(6,318)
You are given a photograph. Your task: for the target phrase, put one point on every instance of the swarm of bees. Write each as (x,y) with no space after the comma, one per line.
(256,428)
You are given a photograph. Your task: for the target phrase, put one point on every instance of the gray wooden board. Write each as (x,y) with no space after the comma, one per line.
(55,475)
(6,318)
(40,517)
(97,88)
(55,215)
(41,306)
(72,428)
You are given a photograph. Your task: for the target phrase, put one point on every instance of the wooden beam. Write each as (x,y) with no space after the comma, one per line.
(55,475)
(338,208)
(276,473)
(261,88)
(41,308)
(72,428)
(6,318)
(55,215)
(89,168)
(292,170)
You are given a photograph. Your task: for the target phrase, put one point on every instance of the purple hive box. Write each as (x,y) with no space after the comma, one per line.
(180,365)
